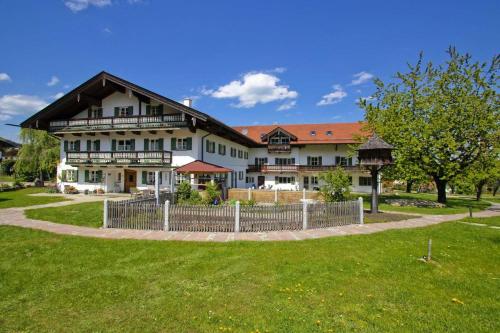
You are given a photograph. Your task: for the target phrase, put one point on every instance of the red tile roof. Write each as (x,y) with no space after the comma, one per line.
(201,167)
(340,132)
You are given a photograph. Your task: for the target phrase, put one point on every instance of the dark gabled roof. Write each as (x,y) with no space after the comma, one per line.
(7,143)
(266,136)
(104,84)
(374,142)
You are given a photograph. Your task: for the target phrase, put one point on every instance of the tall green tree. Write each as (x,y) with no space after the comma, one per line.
(335,185)
(441,119)
(39,154)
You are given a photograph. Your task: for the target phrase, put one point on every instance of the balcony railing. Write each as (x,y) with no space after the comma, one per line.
(117,123)
(119,157)
(281,148)
(269,168)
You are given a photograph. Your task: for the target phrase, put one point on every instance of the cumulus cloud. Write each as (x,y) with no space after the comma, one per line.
(287,106)
(254,88)
(107,30)
(78,5)
(336,96)
(361,77)
(15,105)
(58,95)
(53,81)
(5,77)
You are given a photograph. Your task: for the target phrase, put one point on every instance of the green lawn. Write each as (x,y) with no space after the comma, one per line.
(369,283)
(488,222)
(454,205)
(491,198)
(22,198)
(5,178)
(89,214)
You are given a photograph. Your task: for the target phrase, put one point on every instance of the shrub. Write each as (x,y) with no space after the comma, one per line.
(5,187)
(17,184)
(52,189)
(183,191)
(70,190)
(7,167)
(213,193)
(336,185)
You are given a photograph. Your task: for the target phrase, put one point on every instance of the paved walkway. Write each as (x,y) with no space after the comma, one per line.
(15,217)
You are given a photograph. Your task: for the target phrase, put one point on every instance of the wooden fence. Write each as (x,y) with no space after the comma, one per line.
(145,214)
(271,196)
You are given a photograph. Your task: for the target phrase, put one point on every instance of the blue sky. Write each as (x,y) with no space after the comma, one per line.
(253,62)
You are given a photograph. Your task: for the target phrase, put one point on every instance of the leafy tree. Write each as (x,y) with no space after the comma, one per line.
(183,191)
(335,185)
(213,193)
(485,169)
(441,119)
(39,154)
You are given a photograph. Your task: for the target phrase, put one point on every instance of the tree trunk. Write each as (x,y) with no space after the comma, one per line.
(441,188)
(479,190)
(409,184)
(495,188)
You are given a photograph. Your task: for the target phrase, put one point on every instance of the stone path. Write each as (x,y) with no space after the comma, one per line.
(15,217)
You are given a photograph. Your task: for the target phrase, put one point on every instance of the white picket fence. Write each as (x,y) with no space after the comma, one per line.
(148,215)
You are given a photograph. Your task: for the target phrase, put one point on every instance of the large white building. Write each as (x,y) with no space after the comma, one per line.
(115,135)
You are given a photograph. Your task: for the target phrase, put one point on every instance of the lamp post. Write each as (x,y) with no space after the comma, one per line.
(374,155)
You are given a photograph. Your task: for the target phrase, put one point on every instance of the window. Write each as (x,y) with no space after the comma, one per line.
(210,146)
(72,145)
(314,160)
(180,178)
(250,180)
(95,112)
(284,161)
(124,145)
(312,133)
(69,176)
(314,180)
(93,176)
(124,111)
(329,133)
(222,149)
(241,175)
(306,182)
(148,177)
(284,180)
(233,152)
(279,140)
(220,178)
(240,153)
(181,143)
(365,181)
(245,155)
(93,145)
(154,110)
(260,160)
(344,161)
(153,144)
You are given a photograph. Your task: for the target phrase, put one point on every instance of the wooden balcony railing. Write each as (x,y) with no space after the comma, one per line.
(119,157)
(283,148)
(268,168)
(128,122)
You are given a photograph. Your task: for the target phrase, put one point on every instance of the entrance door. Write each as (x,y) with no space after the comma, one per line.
(260,181)
(130,180)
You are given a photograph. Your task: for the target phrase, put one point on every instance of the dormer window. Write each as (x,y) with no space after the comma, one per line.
(312,133)
(154,110)
(329,133)
(95,112)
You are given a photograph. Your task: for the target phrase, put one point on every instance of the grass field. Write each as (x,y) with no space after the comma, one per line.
(454,205)
(5,178)
(22,198)
(89,214)
(370,283)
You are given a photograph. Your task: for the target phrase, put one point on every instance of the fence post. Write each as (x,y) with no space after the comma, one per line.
(249,196)
(361,212)
(105,220)
(237,217)
(304,194)
(276,195)
(304,215)
(166,213)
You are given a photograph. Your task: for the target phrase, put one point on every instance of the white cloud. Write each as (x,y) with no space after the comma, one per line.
(254,88)
(58,95)
(278,70)
(287,105)
(53,81)
(5,77)
(15,105)
(66,86)
(336,96)
(107,30)
(361,77)
(78,5)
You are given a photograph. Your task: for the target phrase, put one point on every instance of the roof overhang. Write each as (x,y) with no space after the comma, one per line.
(278,130)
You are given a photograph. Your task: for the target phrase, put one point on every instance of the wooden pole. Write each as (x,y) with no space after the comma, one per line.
(374,199)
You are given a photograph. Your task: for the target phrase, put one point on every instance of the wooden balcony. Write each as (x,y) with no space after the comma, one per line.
(282,148)
(118,123)
(272,168)
(135,158)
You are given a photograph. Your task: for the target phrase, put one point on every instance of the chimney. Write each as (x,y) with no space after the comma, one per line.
(187,102)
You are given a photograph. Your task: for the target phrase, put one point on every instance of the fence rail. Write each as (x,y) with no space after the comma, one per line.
(146,214)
